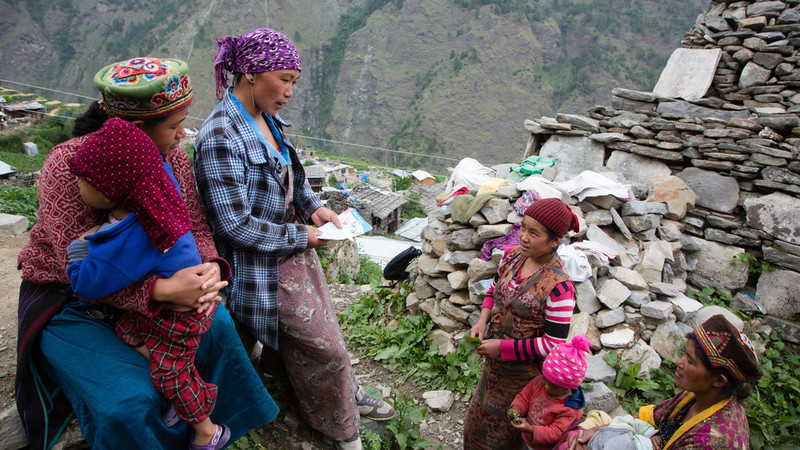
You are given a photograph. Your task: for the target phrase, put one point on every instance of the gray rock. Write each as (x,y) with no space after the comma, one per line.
(487,232)
(496,210)
(436,229)
(461,240)
(595,234)
(669,338)
(605,138)
(788,331)
(599,396)
(652,260)
(661,288)
(776,214)
(600,217)
(11,428)
(30,149)
(458,280)
(443,341)
(777,293)
(770,8)
(637,208)
(627,119)
(638,298)
(715,265)
(480,270)
(636,168)
(657,310)
(610,317)
(619,338)
(630,278)
(780,175)
(574,154)
(580,122)
(778,256)
(479,288)
(12,225)
(637,224)
(586,298)
(706,312)
(440,284)
(684,307)
(714,191)
(643,354)
(679,110)
(613,294)
(597,370)
(639,96)
(441,400)
(460,258)
(423,289)
(461,298)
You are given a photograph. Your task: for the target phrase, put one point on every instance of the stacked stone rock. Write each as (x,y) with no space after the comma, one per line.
(714,178)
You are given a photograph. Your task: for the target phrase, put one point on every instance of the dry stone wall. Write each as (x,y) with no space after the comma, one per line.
(713,175)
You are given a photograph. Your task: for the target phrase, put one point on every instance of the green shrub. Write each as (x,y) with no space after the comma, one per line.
(21,201)
(369,272)
(11,143)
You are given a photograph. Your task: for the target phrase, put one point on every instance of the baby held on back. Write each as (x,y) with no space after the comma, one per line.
(551,402)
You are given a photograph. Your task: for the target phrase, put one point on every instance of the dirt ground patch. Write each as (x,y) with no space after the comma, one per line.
(286,431)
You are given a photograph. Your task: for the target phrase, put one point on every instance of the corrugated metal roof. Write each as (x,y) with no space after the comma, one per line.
(382,202)
(23,106)
(421,175)
(412,230)
(380,249)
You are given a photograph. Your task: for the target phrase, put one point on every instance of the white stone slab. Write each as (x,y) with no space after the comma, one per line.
(688,74)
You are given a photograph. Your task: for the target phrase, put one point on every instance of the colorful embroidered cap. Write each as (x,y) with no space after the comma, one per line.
(123,163)
(554,215)
(261,50)
(726,347)
(144,88)
(565,365)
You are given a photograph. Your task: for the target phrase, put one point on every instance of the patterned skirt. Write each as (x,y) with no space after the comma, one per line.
(487,426)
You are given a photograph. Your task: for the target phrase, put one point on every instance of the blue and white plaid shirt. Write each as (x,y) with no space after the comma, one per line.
(242,195)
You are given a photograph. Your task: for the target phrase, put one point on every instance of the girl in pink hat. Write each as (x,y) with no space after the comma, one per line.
(553,400)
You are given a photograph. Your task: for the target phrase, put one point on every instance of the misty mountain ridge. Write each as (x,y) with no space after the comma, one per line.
(453,78)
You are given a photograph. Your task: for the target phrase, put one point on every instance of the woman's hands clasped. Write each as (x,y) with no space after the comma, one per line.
(195,287)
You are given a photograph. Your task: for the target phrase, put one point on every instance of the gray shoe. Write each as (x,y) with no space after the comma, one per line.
(354,443)
(372,408)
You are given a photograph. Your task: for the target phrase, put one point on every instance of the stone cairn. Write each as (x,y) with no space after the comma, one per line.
(714,177)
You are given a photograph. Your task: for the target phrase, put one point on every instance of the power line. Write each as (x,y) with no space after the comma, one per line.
(201,120)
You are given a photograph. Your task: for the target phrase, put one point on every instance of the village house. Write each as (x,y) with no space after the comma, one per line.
(34,111)
(379,207)
(422,177)
(316,177)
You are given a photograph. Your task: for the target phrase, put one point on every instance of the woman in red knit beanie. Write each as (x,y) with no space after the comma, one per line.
(525,314)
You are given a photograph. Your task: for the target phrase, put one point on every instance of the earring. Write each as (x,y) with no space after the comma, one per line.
(252,80)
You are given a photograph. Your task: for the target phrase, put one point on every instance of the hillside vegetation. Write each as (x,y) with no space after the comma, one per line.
(452,78)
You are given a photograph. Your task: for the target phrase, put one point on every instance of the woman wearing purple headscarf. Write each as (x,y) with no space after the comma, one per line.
(261,207)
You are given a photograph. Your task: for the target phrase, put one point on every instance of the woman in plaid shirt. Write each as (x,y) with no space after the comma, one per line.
(260,207)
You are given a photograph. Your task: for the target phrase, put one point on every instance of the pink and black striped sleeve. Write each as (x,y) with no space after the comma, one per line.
(557,315)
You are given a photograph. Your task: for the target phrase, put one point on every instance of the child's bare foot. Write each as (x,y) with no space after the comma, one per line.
(143,350)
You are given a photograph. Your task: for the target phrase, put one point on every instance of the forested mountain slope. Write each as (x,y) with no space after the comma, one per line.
(453,78)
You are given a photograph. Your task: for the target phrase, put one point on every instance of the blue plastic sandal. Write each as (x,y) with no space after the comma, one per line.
(221,437)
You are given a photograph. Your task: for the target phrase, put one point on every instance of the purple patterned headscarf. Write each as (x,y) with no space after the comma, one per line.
(261,50)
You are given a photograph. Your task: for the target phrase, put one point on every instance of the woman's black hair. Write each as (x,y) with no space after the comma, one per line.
(736,389)
(94,118)
(91,120)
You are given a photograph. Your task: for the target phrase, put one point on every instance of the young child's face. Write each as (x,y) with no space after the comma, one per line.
(553,390)
(93,197)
